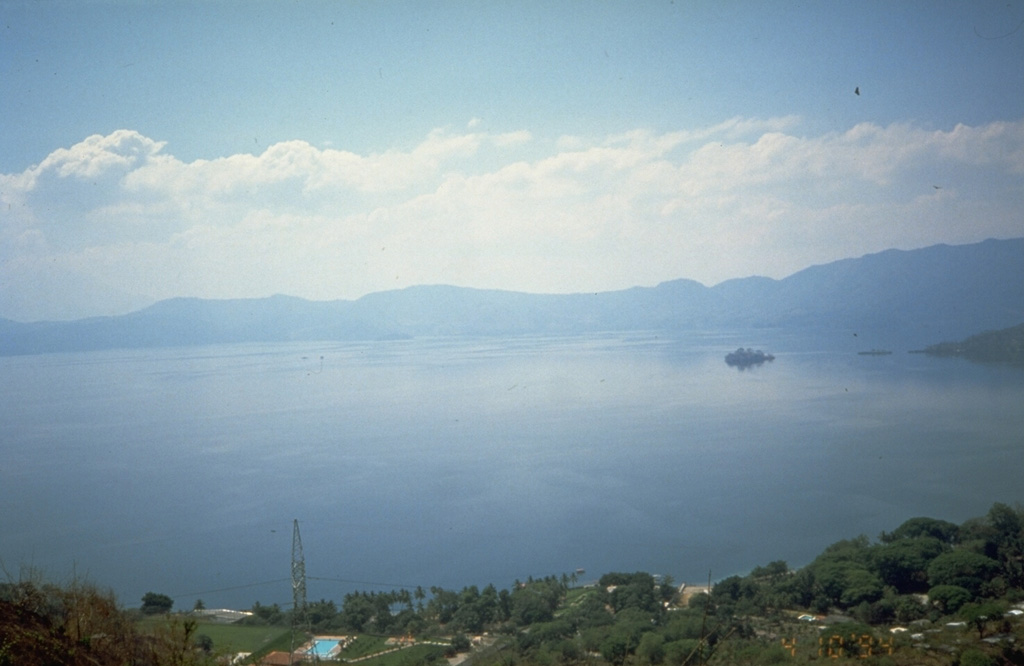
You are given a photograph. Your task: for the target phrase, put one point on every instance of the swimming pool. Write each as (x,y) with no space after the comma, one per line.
(324,648)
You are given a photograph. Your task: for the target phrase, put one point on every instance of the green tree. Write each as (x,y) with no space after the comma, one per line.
(980,615)
(1008,525)
(419,595)
(504,611)
(651,649)
(667,588)
(443,604)
(382,617)
(461,643)
(879,612)
(908,608)
(945,531)
(861,586)
(857,549)
(771,570)
(637,591)
(683,652)
(978,535)
(356,611)
(963,568)
(490,605)
(264,615)
(535,602)
(568,651)
(204,643)
(949,598)
(468,618)
(321,613)
(408,621)
(699,601)
(684,624)
(903,564)
(615,649)
(153,603)
(589,611)
(846,582)
(544,632)
(796,590)
(843,574)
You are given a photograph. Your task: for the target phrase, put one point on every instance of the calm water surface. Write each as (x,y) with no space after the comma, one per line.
(475,461)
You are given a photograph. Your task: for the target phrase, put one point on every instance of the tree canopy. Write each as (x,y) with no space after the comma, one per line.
(153,603)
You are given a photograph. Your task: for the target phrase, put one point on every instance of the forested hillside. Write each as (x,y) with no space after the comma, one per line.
(1002,346)
(929,592)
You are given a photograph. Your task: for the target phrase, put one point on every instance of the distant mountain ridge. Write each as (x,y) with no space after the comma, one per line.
(935,293)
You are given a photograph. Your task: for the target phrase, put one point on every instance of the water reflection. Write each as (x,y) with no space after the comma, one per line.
(448,463)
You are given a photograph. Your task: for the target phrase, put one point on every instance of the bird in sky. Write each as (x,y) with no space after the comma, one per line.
(856,91)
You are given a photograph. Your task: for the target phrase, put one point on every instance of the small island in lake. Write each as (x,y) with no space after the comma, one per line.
(747,357)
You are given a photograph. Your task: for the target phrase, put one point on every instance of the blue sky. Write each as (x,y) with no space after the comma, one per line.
(328,150)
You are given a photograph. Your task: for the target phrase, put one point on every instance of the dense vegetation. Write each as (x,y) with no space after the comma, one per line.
(1002,346)
(843,605)
(80,625)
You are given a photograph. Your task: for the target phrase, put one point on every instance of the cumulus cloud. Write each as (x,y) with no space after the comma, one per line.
(97,155)
(116,219)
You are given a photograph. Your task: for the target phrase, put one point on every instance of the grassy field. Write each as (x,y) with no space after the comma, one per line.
(229,638)
(365,645)
(232,638)
(416,654)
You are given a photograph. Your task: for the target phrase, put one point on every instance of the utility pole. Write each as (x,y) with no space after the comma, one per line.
(300,618)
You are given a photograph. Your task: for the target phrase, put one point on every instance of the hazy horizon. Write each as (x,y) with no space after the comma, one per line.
(144,305)
(330,150)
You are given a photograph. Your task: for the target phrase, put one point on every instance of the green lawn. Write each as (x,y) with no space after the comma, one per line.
(227,638)
(417,654)
(230,638)
(364,645)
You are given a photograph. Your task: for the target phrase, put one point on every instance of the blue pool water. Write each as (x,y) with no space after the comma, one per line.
(323,648)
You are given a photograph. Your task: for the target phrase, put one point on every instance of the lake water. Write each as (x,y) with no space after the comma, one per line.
(457,462)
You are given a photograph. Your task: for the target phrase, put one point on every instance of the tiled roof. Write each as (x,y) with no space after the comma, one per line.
(277,658)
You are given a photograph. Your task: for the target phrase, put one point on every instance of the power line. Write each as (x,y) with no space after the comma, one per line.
(404,586)
(232,588)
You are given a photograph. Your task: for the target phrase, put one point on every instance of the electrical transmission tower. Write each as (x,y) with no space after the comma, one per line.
(300,617)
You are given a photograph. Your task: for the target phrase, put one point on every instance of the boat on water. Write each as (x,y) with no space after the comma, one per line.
(747,357)
(874,352)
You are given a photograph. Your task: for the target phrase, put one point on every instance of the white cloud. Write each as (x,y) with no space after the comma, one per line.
(115,219)
(97,154)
